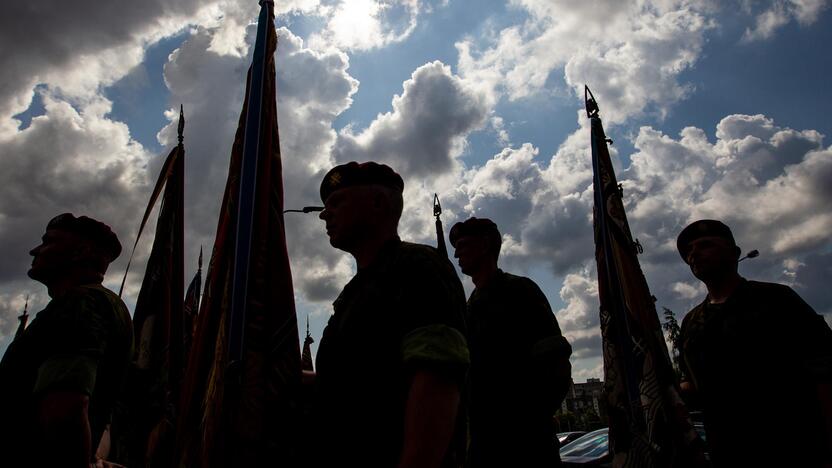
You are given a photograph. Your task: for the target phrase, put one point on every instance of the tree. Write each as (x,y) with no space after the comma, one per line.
(671,327)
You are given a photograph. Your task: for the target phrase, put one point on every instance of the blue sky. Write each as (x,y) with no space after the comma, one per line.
(717,109)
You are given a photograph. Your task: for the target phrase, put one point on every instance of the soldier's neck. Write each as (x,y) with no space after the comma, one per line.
(366,253)
(484,275)
(720,289)
(60,286)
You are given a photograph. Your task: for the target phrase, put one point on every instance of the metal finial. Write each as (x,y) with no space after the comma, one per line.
(26,306)
(591,105)
(199,262)
(181,123)
(437,208)
(307,326)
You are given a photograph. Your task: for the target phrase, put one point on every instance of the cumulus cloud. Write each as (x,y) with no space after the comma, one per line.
(366,24)
(780,13)
(645,45)
(425,132)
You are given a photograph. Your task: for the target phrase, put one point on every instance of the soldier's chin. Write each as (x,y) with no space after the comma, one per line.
(35,274)
(337,242)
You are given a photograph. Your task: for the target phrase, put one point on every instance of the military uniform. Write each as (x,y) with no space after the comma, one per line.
(81,342)
(755,361)
(401,314)
(515,342)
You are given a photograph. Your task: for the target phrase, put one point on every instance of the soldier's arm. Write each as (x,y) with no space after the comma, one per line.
(66,380)
(430,416)
(812,341)
(65,425)
(549,353)
(435,353)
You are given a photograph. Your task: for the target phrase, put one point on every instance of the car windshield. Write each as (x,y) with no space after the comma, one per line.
(564,435)
(594,444)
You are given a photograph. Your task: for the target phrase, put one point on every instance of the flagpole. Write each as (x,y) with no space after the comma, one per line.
(248,189)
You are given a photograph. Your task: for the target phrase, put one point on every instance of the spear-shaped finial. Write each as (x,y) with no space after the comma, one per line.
(591,105)
(307,326)
(181,129)
(199,262)
(23,318)
(440,234)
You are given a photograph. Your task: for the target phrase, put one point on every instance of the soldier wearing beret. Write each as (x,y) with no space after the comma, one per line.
(60,378)
(520,369)
(758,360)
(393,355)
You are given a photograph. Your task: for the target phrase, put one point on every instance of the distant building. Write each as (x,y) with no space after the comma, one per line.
(583,408)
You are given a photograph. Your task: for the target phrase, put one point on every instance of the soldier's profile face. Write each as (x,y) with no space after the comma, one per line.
(470,251)
(54,255)
(348,214)
(710,255)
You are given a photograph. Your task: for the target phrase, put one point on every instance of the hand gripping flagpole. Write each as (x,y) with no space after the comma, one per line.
(248,189)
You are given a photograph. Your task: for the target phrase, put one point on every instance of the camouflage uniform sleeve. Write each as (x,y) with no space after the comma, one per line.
(433,303)
(82,341)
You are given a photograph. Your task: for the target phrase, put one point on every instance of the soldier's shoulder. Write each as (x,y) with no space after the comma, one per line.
(694,315)
(412,253)
(519,283)
(105,301)
(762,287)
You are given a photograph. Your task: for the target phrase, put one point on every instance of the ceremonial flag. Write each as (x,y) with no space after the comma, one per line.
(143,427)
(306,356)
(649,424)
(239,401)
(191,308)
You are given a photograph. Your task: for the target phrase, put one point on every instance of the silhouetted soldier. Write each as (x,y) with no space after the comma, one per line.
(393,355)
(520,369)
(61,376)
(757,358)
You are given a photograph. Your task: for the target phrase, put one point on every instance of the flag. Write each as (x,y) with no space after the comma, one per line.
(239,398)
(649,424)
(191,308)
(306,356)
(143,426)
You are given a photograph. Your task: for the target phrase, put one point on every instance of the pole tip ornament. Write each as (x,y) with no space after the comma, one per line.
(591,105)
(181,129)
(437,208)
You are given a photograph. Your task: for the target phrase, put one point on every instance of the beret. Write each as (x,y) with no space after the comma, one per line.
(474,227)
(352,174)
(93,230)
(702,228)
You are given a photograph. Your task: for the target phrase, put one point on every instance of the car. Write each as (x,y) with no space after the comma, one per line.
(594,448)
(590,449)
(566,437)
